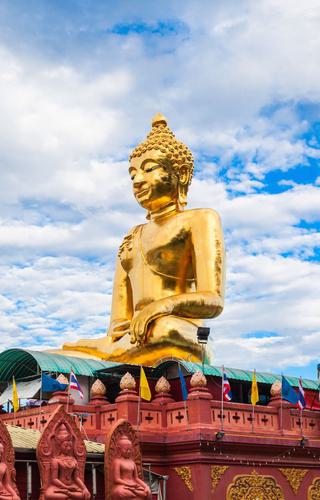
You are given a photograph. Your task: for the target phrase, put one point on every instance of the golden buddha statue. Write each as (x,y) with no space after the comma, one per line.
(169,273)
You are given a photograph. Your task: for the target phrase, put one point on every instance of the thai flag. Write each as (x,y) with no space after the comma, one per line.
(74,384)
(227,394)
(301,398)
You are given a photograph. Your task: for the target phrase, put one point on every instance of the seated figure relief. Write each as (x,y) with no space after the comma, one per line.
(169,273)
(8,488)
(61,457)
(123,471)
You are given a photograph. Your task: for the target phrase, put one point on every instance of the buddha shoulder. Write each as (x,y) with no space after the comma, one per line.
(199,216)
(127,243)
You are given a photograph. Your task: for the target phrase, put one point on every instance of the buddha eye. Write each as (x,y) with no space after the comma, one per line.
(151,167)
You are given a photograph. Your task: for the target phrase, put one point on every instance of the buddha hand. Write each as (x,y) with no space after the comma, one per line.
(140,323)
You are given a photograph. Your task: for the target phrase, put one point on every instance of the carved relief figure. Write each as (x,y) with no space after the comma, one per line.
(8,488)
(123,465)
(170,271)
(61,456)
(254,487)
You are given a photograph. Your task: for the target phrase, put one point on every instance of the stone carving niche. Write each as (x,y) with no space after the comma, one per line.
(8,487)
(123,465)
(61,456)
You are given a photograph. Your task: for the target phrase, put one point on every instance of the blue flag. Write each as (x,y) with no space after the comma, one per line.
(49,384)
(288,393)
(183,385)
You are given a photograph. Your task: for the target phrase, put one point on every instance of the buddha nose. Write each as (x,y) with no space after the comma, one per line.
(138,180)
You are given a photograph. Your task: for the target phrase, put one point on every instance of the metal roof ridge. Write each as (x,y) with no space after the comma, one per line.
(189,366)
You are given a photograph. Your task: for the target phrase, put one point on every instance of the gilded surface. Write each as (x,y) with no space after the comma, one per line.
(254,487)
(186,475)
(216,472)
(314,490)
(169,273)
(294,477)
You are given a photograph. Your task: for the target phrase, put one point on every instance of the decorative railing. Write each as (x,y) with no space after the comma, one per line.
(245,418)
(172,416)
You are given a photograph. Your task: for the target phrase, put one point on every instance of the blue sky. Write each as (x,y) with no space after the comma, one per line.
(239,83)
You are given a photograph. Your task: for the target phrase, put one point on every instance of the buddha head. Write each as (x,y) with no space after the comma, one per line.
(64,440)
(1,451)
(125,447)
(161,169)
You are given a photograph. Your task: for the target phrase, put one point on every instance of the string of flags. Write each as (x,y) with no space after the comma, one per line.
(288,393)
(48,384)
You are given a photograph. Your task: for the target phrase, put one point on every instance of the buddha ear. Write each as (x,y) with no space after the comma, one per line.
(184,175)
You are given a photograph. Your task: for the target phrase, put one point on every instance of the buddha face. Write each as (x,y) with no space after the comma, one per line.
(125,448)
(1,451)
(66,446)
(155,184)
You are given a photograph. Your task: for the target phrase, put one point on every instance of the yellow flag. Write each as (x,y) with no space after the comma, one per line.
(254,389)
(145,392)
(15,397)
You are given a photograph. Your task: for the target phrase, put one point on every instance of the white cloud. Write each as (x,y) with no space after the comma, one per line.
(232,84)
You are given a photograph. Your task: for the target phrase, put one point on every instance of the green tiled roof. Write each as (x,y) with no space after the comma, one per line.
(22,363)
(237,374)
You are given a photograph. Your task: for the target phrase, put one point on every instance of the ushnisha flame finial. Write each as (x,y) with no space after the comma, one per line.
(158,119)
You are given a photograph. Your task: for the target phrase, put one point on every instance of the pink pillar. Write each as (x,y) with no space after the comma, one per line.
(127,405)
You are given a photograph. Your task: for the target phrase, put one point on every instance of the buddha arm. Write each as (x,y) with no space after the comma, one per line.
(208,265)
(138,480)
(77,479)
(55,475)
(117,473)
(121,309)
(8,486)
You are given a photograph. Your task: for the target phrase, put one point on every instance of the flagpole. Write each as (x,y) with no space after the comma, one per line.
(68,393)
(281,409)
(139,403)
(222,381)
(183,391)
(40,408)
(301,409)
(252,416)
(185,407)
